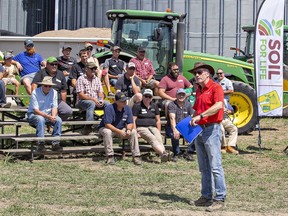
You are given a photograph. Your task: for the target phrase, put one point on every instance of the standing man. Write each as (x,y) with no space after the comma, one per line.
(226,84)
(209,114)
(30,63)
(89,94)
(43,110)
(177,110)
(60,86)
(129,84)
(116,67)
(3,103)
(118,121)
(144,70)
(170,83)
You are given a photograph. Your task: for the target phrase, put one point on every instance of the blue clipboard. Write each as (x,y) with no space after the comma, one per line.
(188,132)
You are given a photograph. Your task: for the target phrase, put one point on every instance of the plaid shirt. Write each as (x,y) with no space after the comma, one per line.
(90,88)
(144,68)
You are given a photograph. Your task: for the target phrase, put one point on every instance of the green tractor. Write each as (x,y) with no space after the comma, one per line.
(247,55)
(156,31)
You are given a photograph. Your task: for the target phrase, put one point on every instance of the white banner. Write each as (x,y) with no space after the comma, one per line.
(268,58)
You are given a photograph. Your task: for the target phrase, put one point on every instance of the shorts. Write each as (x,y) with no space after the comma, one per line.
(29,76)
(9,80)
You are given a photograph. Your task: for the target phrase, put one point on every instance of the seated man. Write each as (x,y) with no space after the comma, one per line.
(228,145)
(42,110)
(89,94)
(65,62)
(130,85)
(118,121)
(3,103)
(177,110)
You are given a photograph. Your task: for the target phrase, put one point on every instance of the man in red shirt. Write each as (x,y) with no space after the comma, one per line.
(209,111)
(145,71)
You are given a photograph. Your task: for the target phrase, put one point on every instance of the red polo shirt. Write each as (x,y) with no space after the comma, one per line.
(211,93)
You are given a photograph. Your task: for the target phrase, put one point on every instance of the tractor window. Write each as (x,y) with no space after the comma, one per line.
(138,32)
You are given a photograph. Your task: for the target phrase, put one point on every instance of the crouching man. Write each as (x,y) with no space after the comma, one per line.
(118,121)
(43,110)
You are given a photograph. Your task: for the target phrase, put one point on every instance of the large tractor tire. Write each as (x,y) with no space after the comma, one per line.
(244,102)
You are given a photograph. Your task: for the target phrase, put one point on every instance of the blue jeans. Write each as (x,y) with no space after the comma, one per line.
(89,106)
(208,148)
(2,92)
(175,142)
(40,121)
(113,82)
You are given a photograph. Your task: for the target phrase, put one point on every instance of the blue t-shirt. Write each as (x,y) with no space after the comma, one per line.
(30,64)
(118,119)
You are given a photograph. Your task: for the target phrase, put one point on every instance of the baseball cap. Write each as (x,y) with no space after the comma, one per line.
(180,90)
(120,96)
(115,48)
(51,59)
(148,92)
(91,65)
(141,49)
(88,45)
(28,43)
(8,55)
(199,65)
(131,64)
(66,46)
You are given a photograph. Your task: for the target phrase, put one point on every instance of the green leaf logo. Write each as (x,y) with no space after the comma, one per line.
(277,26)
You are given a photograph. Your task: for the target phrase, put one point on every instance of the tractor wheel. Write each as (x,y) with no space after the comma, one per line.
(244,102)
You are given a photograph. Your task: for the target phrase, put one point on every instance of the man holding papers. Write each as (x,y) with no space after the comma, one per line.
(209,114)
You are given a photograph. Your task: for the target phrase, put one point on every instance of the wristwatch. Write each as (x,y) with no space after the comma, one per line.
(201,116)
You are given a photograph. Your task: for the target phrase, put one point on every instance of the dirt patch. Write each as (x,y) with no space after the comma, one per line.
(80,33)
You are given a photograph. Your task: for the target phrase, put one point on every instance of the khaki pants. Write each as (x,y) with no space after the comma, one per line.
(152,135)
(108,135)
(232,130)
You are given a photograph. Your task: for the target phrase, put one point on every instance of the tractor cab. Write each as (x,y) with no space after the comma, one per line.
(132,29)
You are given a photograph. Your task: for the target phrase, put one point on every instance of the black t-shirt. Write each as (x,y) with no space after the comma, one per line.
(115,67)
(58,79)
(124,85)
(77,70)
(65,64)
(145,116)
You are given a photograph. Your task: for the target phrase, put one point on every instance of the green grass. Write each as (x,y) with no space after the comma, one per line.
(256,182)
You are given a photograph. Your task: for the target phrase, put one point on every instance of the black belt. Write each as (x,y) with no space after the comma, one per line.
(207,125)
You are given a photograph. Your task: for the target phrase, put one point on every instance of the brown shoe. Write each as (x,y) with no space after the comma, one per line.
(137,160)
(217,205)
(224,149)
(231,150)
(202,201)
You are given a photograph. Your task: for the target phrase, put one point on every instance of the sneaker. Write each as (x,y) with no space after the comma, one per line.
(202,201)
(6,105)
(137,160)
(111,94)
(188,156)
(56,147)
(217,205)
(110,160)
(17,101)
(231,150)
(164,157)
(41,148)
(175,158)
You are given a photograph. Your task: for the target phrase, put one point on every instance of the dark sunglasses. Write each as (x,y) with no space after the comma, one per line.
(53,64)
(199,72)
(47,86)
(219,73)
(89,49)
(148,96)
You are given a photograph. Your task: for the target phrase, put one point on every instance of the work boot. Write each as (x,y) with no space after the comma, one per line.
(231,150)
(188,156)
(137,160)
(56,147)
(175,158)
(217,205)
(224,149)
(110,160)
(164,157)
(202,201)
(41,147)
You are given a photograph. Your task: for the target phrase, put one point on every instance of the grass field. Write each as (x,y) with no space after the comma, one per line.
(256,181)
